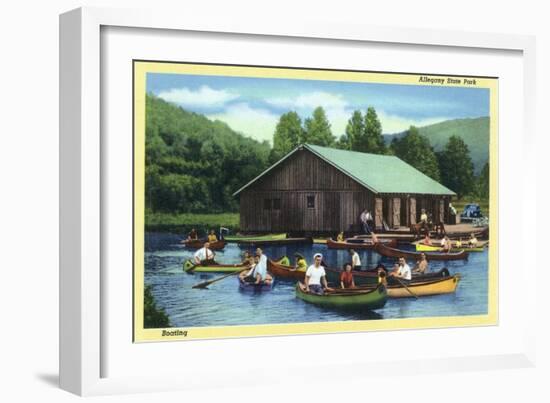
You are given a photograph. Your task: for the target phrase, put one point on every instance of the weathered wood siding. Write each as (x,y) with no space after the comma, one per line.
(339,200)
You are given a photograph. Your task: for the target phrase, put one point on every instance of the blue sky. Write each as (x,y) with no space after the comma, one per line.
(253,106)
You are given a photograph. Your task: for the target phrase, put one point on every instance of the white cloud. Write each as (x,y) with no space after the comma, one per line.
(204,97)
(256,123)
(310,101)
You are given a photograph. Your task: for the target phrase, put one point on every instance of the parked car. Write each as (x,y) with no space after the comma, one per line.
(471,212)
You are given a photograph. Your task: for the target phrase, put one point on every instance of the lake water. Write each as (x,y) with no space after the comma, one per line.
(223,304)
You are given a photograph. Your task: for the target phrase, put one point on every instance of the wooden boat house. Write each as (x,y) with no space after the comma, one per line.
(320,190)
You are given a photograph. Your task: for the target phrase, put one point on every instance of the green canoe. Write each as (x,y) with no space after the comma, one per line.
(364,299)
(190,267)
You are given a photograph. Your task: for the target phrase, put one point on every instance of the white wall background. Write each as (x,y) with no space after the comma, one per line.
(29,195)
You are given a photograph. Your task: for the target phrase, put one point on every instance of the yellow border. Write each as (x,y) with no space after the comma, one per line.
(141,68)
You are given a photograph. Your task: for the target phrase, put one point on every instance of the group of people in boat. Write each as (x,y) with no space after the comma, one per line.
(194,236)
(446,244)
(315,279)
(257,272)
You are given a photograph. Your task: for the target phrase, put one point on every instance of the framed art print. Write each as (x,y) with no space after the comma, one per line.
(276,165)
(236,190)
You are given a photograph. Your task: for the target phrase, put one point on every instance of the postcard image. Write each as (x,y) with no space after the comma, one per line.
(280,201)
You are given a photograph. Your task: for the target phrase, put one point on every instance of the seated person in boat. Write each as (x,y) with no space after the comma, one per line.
(193,236)
(212,237)
(204,255)
(447,244)
(346,277)
(316,280)
(458,244)
(301,263)
(403,270)
(340,237)
(421,266)
(248,259)
(427,240)
(258,273)
(355,260)
(472,242)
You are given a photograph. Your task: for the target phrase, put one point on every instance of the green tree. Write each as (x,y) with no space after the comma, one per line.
(373,141)
(354,130)
(415,149)
(317,129)
(288,134)
(456,166)
(483,182)
(153,317)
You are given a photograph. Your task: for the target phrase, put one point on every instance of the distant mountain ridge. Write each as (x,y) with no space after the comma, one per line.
(474,132)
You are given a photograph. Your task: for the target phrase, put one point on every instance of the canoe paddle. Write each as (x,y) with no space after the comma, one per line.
(406,288)
(205,284)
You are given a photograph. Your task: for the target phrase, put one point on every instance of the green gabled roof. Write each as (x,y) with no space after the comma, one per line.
(378,173)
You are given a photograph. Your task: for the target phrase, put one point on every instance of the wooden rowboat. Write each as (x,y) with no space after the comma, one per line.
(420,247)
(197,244)
(255,288)
(284,271)
(190,267)
(275,242)
(444,285)
(245,238)
(358,245)
(370,277)
(397,253)
(364,299)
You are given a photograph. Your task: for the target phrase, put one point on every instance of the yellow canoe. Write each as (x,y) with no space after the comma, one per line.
(445,285)
(420,247)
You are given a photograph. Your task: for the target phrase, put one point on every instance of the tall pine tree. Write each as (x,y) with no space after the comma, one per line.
(288,134)
(415,149)
(456,166)
(354,130)
(317,129)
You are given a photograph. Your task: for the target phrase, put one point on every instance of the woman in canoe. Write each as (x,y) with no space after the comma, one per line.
(346,277)
(301,263)
(340,237)
(258,273)
(316,280)
(472,242)
(212,237)
(421,266)
(427,240)
(248,259)
(193,236)
(447,245)
(458,244)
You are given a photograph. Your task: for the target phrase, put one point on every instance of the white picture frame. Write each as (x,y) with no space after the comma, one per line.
(81,175)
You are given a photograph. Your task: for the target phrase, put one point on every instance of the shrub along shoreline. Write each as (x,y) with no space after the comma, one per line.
(183,223)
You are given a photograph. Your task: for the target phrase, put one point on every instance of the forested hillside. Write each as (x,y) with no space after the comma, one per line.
(474,132)
(193,164)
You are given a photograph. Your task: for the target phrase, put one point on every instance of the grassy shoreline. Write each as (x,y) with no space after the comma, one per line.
(183,223)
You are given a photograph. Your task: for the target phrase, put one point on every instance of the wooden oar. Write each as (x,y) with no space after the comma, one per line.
(406,288)
(205,284)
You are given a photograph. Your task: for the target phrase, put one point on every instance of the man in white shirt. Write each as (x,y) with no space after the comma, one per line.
(404,270)
(355,260)
(204,254)
(316,280)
